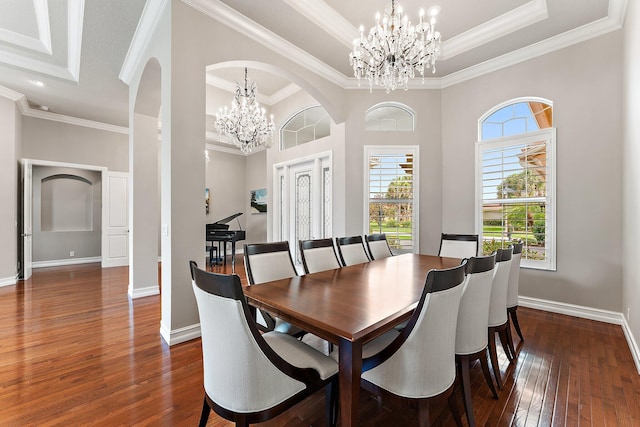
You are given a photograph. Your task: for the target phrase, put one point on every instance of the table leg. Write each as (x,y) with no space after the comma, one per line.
(350,360)
(233,256)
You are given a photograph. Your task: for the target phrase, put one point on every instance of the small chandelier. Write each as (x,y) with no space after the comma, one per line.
(245,123)
(394,49)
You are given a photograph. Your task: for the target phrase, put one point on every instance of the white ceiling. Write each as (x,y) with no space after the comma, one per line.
(77,47)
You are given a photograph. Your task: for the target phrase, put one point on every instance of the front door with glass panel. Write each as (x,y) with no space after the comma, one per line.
(304,202)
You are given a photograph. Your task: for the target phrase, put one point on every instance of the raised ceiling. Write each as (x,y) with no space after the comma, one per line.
(77,47)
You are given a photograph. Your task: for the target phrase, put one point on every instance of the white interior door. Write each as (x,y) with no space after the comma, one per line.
(115,219)
(27,218)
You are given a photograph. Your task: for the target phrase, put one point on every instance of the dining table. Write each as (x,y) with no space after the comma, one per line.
(349,307)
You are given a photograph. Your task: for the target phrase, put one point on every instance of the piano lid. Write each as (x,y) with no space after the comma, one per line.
(227,219)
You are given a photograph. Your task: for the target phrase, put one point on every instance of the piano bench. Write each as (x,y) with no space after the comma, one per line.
(213,259)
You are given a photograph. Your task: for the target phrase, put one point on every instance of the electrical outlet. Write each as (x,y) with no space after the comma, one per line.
(72,253)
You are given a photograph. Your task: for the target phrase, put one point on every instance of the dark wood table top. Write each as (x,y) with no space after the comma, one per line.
(356,303)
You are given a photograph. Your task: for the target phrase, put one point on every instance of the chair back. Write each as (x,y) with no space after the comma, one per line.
(473,316)
(378,246)
(514,275)
(265,262)
(318,255)
(498,303)
(351,250)
(420,362)
(233,351)
(458,245)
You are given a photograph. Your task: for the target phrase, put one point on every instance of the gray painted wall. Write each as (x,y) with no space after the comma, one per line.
(631,111)
(226,183)
(587,113)
(56,245)
(66,143)
(10,146)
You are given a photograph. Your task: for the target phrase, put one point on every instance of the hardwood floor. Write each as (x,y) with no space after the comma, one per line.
(74,350)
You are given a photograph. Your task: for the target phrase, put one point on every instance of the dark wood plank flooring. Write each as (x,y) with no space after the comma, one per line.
(74,350)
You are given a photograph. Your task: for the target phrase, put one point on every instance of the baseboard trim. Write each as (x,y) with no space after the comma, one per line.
(143,292)
(633,345)
(572,310)
(61,262)
(8,281)
(180,335)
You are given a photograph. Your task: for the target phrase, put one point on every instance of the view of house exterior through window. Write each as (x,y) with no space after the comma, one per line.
(516,181)
(391,202)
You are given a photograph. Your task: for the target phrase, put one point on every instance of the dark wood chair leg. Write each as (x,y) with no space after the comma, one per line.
(454,410)
(331,403)
(493,354)
(487,375)
(204,417)
(504,340)
(512,348)
(423,413)
(513,312)
(465,380)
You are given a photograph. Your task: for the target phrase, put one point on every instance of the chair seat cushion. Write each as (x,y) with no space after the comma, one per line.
(300,354)
(286,328)
(375,346)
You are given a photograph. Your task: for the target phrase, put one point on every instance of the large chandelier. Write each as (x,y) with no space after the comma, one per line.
(245,123)
(394,49)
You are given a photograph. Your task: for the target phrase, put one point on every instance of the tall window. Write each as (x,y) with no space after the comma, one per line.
(516,180)
(392,199)
(305,126)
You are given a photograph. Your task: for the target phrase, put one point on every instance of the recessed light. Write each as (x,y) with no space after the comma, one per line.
(37,82)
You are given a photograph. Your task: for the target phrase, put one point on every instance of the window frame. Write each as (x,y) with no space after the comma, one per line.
(549,135)
(370,150)
(296,114)
(393,104)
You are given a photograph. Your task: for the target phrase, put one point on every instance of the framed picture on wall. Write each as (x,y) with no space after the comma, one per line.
(258,201)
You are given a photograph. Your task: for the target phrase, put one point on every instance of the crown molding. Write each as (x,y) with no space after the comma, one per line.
(613,22)
(232,149)
(10,94)
(76,121)
(229,86)
(75,23)
(500,26)
(43,43)
(75,19)
(228,16)
(149,20)
(282,94)
(319,12)
(240,23)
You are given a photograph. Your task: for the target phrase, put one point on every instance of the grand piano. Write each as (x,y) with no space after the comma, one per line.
(219,233)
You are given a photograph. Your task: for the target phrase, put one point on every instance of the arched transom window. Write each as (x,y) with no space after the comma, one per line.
(389,116)
(305,126)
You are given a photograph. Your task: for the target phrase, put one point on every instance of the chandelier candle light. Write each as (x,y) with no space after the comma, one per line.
(394,49)
(245,123)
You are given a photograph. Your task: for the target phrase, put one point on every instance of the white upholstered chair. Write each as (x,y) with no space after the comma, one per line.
(265,262)
(498,319)
(251,377)
(419,362)
(318,255)
(351,250)
(473,323)
(378,246)
(512,292)
(458,245)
